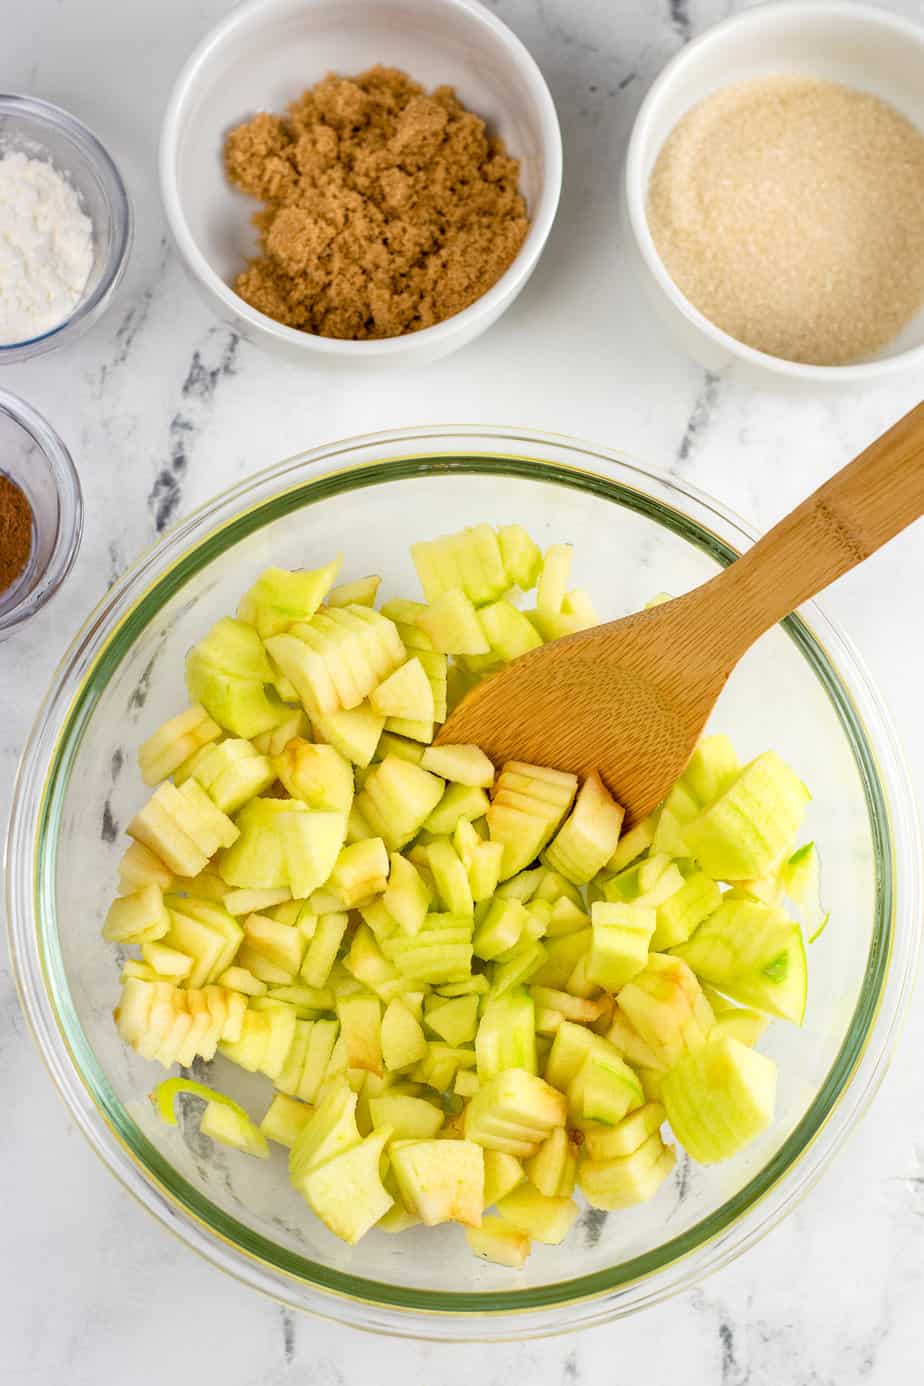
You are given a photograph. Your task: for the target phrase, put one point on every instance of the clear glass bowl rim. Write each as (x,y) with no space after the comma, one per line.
(87,309)
(737,1224)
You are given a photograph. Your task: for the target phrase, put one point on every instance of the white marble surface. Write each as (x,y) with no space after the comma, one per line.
(161,407)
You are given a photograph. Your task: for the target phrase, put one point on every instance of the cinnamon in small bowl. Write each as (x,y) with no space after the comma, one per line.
(16,525)
(41,512)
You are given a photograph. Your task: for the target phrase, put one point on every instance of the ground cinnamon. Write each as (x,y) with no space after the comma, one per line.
(386,210)
(15,532)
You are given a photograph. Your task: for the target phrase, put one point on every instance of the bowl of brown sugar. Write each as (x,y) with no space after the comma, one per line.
(366,183)
(774,194)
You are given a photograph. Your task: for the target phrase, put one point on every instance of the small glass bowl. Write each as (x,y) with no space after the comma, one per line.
(35,459)
(43,131)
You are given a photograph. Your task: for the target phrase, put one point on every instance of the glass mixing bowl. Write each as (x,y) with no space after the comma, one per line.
(801,691)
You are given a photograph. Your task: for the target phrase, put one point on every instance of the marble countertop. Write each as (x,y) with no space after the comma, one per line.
(162,406)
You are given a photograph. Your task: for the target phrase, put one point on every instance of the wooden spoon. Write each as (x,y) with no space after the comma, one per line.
(631,698)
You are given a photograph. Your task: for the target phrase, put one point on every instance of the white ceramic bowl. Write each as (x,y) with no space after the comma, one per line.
(263,56)
(855,44)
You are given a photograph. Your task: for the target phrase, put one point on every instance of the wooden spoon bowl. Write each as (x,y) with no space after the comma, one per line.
(630,698)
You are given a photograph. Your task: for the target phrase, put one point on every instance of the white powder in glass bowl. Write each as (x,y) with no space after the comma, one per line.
(46,248)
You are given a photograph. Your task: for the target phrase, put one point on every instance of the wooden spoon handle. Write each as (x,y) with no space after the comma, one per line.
(863,506)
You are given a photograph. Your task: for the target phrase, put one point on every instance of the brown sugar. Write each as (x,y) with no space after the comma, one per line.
(15,532)
(386,210)
(790,212)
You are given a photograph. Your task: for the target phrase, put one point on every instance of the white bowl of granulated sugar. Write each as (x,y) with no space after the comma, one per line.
(65,227)
(772,195)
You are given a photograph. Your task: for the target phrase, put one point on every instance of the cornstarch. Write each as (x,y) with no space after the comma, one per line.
(46,248)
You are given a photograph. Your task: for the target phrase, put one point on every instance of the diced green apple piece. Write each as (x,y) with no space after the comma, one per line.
(279,944)
(362,592)
(454,1020)
(449,877)
(754,954)
(409,1118)
(460,802)
(207,933)
(279,598)
(285,1120)
(484,868)
(157,826)
(666,1006)
(139,866)
(318,774)
(499,1241)
(242,902)
(451,622)
(502,1173)
(232,773)
(515,1104)
(681,913)
(167,962)
(403,1040)
(501,928)
(397,798)
(627,1041)
(361,1027)
(562,955)
(323,948)
(522,557)
(227,674)
(227,1126)
(406,896)
(588,838)
(577,605)
(553,579)
(138,917)
(719,1098)
(411,728)
(506,1037)
(548,1220)
(613,1142)
(462,764)
(604,1089)
(256,861)
(629,1179)
(509,633)
(547,1169)
(752,824)
(174,742)
(347,1191)
(321,1042)
(633,843)
(311,844)
(405,693)
(441,1181)
(712,769)
(621,935)
(360,873)
(328,1132)
(354,733)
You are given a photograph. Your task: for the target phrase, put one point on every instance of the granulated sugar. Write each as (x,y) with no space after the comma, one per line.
(790,212)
